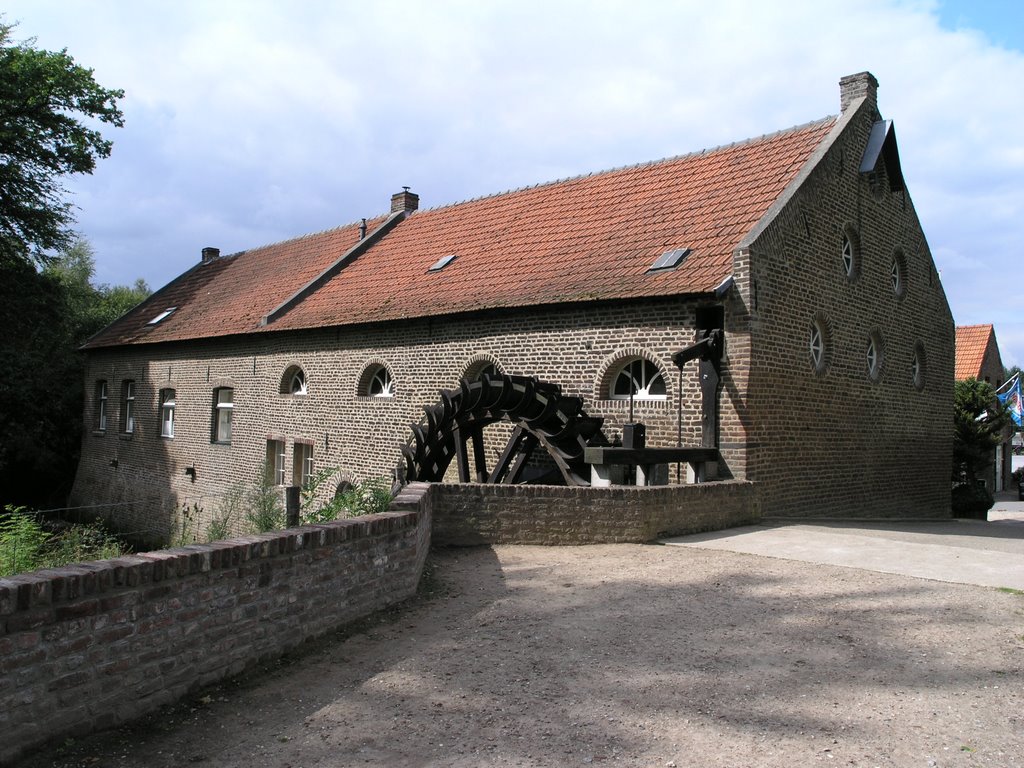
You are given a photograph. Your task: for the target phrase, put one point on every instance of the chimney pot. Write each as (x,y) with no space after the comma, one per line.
(853,87)
(210,254)
(405,201)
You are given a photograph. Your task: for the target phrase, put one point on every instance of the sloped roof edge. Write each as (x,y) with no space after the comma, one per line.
(816,157)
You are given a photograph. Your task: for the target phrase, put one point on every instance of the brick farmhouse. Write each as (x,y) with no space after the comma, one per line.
(802,246)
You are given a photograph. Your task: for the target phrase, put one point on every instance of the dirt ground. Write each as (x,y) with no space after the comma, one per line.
(627,655)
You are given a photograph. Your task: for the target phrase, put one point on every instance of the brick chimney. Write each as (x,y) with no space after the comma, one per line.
(405,201)
(853,87)
(210,254)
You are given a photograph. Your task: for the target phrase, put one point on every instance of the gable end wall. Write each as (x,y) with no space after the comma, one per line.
(837,443)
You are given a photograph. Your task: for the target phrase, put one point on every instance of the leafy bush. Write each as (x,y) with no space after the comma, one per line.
(26,546)
(265,508)
(978,424)
(231,504)
(81,543)
(311,510)
(972,500)
(367,498)
(187,529)
(22,540)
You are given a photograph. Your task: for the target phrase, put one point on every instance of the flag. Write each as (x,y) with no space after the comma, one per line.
(1011,398)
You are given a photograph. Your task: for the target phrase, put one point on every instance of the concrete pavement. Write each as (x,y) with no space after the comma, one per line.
(987,553)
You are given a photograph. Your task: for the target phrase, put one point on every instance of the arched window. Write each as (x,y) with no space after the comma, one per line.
(898,274)
(873,355)
(376,381)
(294,381)
(639,378)
(819,345)
(850,252)
(918,367)
(480,366)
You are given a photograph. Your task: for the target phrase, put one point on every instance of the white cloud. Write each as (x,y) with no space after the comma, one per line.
(251,122)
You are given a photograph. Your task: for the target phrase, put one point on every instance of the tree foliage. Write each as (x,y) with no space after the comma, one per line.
(46,316)
(979,421)
(45,99)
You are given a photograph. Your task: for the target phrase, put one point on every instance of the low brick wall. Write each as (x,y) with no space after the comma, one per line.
(98,644)
(465,515)
(94,645)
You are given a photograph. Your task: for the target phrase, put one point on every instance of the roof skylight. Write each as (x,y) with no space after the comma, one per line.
(669,260)
(162,316)
(441,263)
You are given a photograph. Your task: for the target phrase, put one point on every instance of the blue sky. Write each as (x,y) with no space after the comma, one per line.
(253,122)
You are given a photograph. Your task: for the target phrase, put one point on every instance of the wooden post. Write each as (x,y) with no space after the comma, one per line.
(291,506)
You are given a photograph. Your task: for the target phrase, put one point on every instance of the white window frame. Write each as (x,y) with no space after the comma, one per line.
(129,406)
(817,347)
(650,374)
(848,256)
(275,461)
(381,383)
(297,385)
(223,414)
(302,463)
(101,405)
(873,355)
(168,403)
(918,368)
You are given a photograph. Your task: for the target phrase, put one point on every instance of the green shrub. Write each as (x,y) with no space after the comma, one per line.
(81,543)
(265,508)
(22,541)
(229,508)
(366,498)
(972,500)
(311,510)
(187,530)
(26,546)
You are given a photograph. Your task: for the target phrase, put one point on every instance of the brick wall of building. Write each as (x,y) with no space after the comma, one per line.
(90,646)
(837,442)
(142,477)
(499,514)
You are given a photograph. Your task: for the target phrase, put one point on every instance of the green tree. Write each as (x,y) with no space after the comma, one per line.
(46,316)
(978,424)
(45,97)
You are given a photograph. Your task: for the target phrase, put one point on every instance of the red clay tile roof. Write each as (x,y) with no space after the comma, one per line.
(578,240)
(976,351)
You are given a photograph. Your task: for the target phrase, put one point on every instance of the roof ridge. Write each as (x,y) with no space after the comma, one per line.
(630,166)
(306,236)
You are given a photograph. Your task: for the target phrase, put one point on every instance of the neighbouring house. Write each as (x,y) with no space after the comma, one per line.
(800,249)
(977,357)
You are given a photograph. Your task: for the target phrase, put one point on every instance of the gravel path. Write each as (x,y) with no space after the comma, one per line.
(626,655)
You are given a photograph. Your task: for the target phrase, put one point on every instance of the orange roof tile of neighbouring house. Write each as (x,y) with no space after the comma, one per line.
(977,351)
(578,240)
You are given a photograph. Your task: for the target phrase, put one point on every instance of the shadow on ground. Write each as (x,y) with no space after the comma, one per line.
(639,655)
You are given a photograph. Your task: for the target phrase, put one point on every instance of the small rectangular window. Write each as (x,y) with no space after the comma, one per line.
(275,462)
(167,405)
(669,260)
(101,406)
(224,405)
(162,316)
(302,464)
(128,422)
